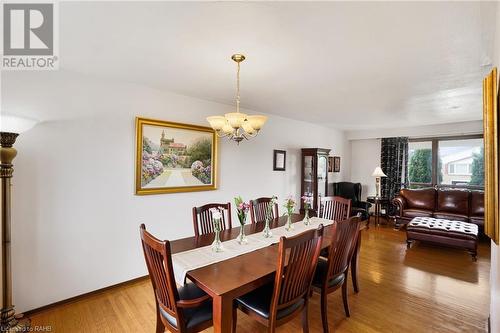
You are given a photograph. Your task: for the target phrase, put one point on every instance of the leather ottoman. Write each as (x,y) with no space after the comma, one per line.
(444,232)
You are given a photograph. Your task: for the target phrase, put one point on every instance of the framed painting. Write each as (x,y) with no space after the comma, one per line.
(279,160)
(491,157)
(173,157)
(336,164)
(330,163)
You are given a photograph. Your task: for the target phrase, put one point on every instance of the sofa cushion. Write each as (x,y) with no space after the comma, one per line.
(417,213)
(479,220)
(453,201)
(420,198)
(477,203)
(450,216)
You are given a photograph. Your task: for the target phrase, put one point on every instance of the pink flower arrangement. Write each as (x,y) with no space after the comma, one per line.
(241,208)
(308,201)
(290,204)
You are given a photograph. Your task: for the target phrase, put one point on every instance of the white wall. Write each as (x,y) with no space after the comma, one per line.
(365,157)
(75,217)
(495,249)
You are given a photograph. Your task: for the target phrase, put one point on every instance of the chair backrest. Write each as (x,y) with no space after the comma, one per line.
(342,246)
(348,190)
(335,208)
(259,209)
(297,260)
(202,218)
(158,258)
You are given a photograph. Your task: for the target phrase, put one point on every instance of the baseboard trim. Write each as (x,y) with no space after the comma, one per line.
(82,296)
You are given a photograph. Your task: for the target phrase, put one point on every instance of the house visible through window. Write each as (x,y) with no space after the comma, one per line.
(455,168)
(451,162)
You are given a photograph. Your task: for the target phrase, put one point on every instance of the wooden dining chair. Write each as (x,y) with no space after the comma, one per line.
(184,309)
(331,273)
(338,208)
(277,303)
(335,208)
(259,209)
(202,218)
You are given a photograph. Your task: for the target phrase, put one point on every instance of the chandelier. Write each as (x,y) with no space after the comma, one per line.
(237,126)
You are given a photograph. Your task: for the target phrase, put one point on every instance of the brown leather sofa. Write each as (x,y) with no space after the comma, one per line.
(451,204)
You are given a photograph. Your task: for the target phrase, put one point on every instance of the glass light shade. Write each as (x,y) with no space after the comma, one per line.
(257,121)
(227,128)
(235,119)
(248,128)
(217,122)
(15,124)
(378,173)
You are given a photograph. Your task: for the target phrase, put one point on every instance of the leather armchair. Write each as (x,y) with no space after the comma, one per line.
(352,191)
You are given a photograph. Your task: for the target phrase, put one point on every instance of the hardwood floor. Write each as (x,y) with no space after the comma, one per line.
(425,289)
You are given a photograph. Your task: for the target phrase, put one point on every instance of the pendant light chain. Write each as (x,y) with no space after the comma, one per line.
(238,88)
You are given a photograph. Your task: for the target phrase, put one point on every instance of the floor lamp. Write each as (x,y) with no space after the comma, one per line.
(10,128)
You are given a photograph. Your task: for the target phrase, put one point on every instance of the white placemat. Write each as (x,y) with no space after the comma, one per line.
(203,256)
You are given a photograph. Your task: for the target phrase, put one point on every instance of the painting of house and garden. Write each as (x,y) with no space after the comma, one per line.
(176,157)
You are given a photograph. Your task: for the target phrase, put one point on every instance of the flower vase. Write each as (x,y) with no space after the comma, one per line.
(217,244)
(307,220)
(267,231)
(289,224)
(242,238)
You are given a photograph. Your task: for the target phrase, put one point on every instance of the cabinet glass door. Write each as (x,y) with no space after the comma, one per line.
(322,175)
(308,175)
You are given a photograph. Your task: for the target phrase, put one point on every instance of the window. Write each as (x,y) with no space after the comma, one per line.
(420,163)
(447,161)
(462,162)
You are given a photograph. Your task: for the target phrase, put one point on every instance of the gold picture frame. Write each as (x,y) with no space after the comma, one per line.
(491,163)
(174,157)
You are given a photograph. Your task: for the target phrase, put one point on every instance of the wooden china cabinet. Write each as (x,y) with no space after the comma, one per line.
(314,175)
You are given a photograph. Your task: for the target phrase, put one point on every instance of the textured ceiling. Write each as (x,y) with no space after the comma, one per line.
(348,65)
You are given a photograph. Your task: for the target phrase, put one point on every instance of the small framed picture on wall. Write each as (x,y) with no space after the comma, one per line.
(279,160)
(336,164)
(330,163)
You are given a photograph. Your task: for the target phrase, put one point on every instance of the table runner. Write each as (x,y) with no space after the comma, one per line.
(183,262)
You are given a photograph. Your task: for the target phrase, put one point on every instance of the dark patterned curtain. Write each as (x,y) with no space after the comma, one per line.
(394,163)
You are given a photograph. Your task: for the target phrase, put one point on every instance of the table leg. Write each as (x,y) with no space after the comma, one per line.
(222,314)
(354,264)
(377,212)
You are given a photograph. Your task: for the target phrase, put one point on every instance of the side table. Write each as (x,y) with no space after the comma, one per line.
(378,202)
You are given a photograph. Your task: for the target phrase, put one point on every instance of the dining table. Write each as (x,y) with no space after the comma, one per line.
(226,280)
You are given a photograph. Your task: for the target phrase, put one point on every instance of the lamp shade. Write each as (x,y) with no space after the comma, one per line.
(257,121)
(217,122)
(235,119)
(378,172)
(15,124)
(247,127)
